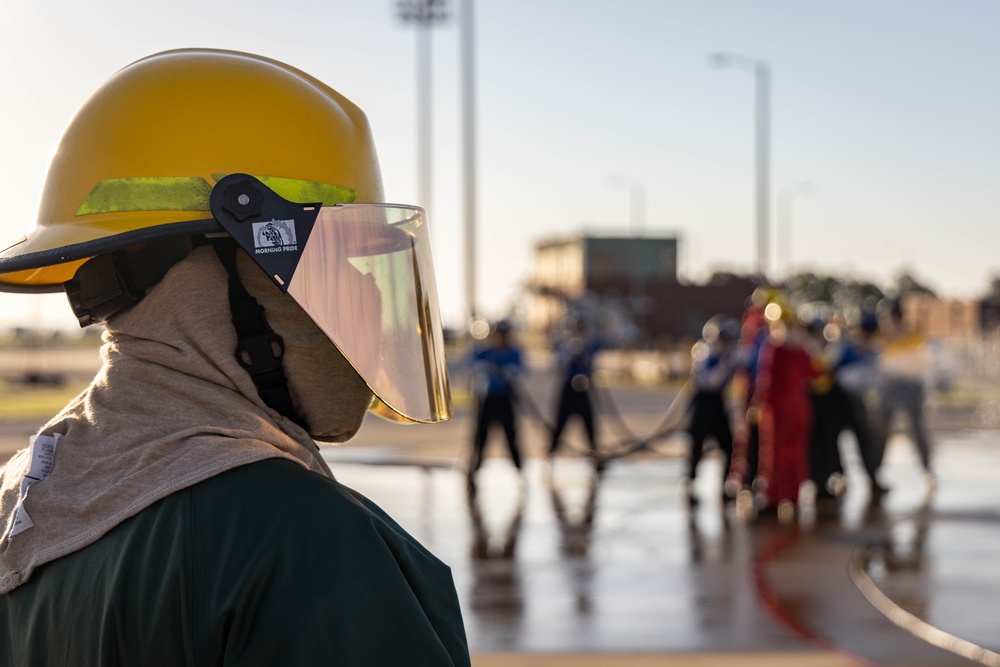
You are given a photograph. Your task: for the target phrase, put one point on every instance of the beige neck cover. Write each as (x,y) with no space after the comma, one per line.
(169,408)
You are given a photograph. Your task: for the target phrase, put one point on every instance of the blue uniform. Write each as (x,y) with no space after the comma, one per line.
(498,367)
(575,358)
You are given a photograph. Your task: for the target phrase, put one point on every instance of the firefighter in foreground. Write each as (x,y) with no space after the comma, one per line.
(204,205)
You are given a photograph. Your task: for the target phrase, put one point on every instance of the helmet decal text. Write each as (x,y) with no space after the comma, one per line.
(274,236)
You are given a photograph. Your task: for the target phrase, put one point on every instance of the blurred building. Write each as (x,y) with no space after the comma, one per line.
(948,318)
(633,281)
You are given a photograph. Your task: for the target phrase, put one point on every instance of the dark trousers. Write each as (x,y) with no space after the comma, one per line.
(753,454)
(709,418)
(906,395)
(573,402)
(856,419)
(824,448)
(497,409)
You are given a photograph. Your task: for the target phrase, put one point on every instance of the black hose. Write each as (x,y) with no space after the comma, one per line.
(671,422)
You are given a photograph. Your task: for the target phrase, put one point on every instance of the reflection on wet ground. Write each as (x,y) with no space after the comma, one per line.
(560,560)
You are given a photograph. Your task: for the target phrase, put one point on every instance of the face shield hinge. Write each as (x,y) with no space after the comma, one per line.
(242,200)
(258,349)
(272,230)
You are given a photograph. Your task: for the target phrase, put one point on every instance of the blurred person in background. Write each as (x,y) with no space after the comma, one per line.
(825,467)
(574,352)
(781,405)
(179,511)
(904,371)
(856,383)
(497,368)
(713,365)
(746,441)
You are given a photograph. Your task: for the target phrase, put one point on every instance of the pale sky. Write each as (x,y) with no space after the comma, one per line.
(889,107)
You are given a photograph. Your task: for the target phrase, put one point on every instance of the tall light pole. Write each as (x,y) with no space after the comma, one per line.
(636,201)
(424,14)
(468,43)
(762,94)
(783,201)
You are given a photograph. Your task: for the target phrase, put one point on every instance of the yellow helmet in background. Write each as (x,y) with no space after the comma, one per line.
(162,131)
(764,295)
(778,309)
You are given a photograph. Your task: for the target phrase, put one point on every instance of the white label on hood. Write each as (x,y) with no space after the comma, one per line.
(42,455)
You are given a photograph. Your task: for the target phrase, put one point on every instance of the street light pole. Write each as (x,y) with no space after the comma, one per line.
(469,151)
(425,124)
(762,88)
(425,14)
(762,103)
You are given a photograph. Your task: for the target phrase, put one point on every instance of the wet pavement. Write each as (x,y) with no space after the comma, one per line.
(562,565)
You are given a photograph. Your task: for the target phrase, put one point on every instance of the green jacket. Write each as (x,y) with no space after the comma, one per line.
(266,564)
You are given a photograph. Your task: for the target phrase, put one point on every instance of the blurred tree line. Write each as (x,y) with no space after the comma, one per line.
(844,293)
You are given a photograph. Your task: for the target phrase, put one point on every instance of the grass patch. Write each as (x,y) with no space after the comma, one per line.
(967,394)
(22,402)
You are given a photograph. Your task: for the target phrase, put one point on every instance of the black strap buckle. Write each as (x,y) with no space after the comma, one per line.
(261,353)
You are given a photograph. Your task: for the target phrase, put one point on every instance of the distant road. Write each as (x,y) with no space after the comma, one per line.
(73,362)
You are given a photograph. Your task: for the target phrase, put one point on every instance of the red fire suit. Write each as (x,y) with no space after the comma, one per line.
(785,416)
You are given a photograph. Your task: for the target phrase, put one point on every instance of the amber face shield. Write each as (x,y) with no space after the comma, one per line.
(363,274)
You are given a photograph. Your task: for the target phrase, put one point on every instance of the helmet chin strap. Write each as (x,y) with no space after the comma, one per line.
(114,281)
(259,349)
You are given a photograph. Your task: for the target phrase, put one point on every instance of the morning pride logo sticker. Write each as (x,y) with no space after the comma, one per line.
(274,236)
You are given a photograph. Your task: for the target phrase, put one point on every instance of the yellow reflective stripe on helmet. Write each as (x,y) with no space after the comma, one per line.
(192,193)
(153,193)
(304,192)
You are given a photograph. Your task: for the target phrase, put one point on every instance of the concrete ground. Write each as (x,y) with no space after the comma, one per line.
(562,567)
(559,570)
